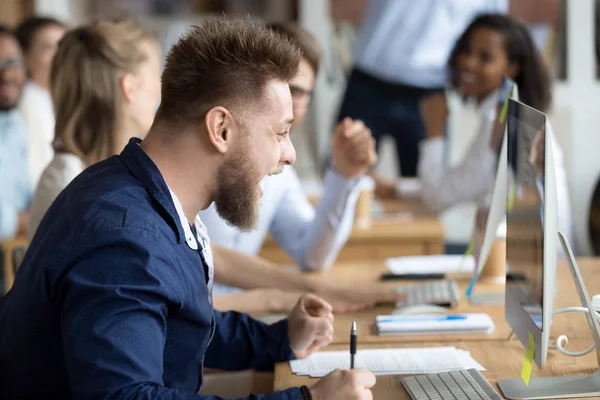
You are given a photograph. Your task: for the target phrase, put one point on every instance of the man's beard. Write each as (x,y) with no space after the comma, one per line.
(238,194)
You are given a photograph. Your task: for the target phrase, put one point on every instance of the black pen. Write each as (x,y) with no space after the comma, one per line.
(352,344)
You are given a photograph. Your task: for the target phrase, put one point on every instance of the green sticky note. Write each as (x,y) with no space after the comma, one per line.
(467,254)
(528,361)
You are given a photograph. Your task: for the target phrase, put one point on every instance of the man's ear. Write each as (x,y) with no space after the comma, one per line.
(127,86)
(219,125)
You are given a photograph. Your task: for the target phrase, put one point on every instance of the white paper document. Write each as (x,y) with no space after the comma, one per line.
(388,361)
(449,264)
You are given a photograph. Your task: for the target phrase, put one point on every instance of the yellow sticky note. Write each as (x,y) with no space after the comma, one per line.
(512,193)
(502,116)
(467,254)
(528,361)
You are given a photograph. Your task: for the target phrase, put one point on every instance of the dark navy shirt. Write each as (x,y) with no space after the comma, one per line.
(110,301)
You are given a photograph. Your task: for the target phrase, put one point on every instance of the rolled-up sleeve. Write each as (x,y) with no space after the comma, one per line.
(314,237)
(444,186)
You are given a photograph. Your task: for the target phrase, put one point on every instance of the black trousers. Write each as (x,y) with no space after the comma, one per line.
(388,109)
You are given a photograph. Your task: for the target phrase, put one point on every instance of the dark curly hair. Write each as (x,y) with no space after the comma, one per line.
(533,78)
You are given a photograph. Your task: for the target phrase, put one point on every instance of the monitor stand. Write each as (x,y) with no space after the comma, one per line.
(487,299)
(562,387)
(494,298)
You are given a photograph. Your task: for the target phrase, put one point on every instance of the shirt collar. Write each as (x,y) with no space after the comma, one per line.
(189,235)
(144,169)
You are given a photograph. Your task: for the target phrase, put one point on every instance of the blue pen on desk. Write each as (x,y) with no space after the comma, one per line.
(421,318)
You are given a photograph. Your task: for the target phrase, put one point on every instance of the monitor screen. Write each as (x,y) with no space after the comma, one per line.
(525,209)
(484,231)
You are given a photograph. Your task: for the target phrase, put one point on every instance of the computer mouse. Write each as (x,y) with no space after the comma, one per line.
(420,309)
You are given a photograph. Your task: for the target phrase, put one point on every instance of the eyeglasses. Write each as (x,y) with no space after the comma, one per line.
(11,63)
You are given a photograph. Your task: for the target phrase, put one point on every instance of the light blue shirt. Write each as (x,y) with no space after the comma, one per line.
(16,189)
(409,41)
(312,237)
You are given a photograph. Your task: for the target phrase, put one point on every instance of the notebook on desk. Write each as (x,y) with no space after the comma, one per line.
(444,264)
(433,324)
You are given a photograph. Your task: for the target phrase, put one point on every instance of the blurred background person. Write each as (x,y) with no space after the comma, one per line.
(38,37)
(16,190)
(400,57)
(493,48)
(105,85)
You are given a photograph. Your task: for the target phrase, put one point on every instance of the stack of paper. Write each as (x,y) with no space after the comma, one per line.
(431,264)
(388,361)
(398,324)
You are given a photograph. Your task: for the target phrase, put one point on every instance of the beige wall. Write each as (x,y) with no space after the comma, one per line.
(11,12)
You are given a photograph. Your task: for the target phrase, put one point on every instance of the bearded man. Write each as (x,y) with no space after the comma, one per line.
(114,297)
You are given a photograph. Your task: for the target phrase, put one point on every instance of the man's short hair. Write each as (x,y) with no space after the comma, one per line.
(311,50)
(223,62)
(27,30)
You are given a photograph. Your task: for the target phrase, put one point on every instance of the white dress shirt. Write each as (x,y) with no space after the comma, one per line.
(311,237)
(472,178)
(15,188)
(201,237)
(63,168)
(36,108)
(409,41)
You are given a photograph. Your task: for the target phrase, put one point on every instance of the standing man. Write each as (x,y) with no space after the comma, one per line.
(114,296)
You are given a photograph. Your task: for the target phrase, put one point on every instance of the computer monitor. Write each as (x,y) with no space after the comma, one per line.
(531,249)
(491,214)
(531,227)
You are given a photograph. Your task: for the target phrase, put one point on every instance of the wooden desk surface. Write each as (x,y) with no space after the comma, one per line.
(502,359)
(367,274)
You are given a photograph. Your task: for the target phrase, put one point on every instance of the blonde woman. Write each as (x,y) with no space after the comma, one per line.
(105,85)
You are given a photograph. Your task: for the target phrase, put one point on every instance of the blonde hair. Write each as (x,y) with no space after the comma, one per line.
(84,84)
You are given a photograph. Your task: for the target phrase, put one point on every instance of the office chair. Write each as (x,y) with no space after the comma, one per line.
(594,220)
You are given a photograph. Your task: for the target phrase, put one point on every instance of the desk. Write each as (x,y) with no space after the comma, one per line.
(573,324)
(404,228)
(502,359)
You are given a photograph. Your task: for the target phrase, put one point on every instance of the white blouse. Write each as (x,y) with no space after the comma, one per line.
(63,168)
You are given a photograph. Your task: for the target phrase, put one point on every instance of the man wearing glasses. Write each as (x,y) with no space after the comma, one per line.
(17,190)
